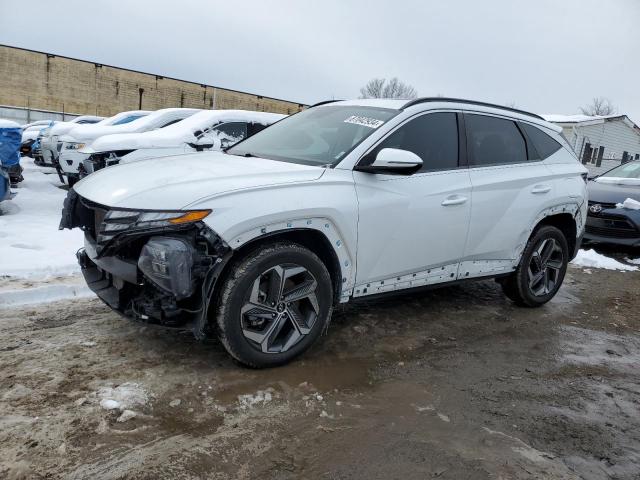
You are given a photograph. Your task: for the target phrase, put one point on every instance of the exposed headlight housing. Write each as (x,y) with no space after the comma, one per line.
(167,262)
(119,221)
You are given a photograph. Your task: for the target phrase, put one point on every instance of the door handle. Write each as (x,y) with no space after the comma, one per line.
(541,189)
(453,200)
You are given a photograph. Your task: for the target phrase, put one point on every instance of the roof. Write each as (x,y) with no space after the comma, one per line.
(584,120)
(401,104)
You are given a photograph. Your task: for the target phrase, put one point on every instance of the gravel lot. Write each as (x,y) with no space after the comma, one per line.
(453,383)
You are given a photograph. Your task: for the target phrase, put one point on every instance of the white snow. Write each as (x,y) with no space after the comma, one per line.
(261,397)
(593,259)
(618,180)
(180,132)
(125,396)
(142,124)
(8,124)
(557,118)
(31,246)
(43,294)
(630,204)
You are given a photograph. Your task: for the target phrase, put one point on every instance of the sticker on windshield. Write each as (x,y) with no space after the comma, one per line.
(364,121)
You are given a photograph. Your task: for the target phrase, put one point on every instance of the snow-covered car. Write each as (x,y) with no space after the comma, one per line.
(29,143)
(344,200)
(614,206)
(48,138)
(206,130)
(70,158)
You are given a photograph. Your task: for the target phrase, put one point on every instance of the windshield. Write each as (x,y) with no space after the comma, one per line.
(128,119)
(318,136)
(628,170)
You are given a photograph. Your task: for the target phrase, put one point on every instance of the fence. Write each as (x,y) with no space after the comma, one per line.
(27,115)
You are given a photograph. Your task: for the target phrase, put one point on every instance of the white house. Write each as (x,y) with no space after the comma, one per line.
(601,143)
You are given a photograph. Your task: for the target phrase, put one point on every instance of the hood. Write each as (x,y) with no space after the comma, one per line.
(171,183)
(612,193)
(61,128)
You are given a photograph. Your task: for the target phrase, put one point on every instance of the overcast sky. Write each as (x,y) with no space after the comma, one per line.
(547,56)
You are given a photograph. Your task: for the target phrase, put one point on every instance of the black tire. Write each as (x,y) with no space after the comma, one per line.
(71,181)
(235,315)
(517,286)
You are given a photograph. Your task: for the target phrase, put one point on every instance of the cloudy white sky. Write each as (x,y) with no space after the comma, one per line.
(547,56)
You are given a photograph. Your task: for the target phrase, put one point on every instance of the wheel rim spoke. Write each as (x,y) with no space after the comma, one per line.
(547,261)
(281,308)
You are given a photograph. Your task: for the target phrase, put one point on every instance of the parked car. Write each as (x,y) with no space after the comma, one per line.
(342,201)
(71,158)
(10,138)
(606,223)
(29,142)
(48,138)
(206,130)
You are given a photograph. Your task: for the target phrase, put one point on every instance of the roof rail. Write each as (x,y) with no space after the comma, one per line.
(417,101)
(324,103)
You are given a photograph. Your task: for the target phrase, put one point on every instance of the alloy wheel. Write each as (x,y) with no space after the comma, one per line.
(545,267)
(280,309)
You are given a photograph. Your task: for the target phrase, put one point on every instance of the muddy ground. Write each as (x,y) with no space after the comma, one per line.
(455,383)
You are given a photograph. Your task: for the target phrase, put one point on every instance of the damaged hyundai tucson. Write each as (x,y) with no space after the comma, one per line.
(345,200)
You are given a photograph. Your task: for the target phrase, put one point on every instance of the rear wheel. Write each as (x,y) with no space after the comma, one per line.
(274,304)
(542,269)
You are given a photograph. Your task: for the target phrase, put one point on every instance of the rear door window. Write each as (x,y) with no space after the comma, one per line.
(494,141)
(433,137)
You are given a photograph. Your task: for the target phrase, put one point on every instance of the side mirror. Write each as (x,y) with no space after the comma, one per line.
(393,160)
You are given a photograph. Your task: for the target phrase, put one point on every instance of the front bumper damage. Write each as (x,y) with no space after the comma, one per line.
(157,275)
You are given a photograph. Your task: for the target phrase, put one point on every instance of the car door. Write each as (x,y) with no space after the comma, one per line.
(412,228)
(510,188)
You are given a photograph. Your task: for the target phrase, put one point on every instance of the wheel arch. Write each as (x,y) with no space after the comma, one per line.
(566,223)
(310,238)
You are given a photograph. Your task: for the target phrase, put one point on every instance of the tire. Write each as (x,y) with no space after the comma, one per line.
(256,324)
(71,181)
(546,251)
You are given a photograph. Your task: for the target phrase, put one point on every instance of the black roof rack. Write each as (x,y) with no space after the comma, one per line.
(417,101)
(324,103)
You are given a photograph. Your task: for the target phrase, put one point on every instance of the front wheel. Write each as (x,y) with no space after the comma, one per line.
(274,304)
(541,270)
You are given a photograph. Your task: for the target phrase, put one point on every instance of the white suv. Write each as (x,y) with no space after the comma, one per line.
(341,201)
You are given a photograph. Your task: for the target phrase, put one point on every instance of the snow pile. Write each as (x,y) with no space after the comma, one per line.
(630,204)
(182,131)
(42,294)
(8,124)
(634,261)
(592,259)
(31,246)
(126,396)
(261,397)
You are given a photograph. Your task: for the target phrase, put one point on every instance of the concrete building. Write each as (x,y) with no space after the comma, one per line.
(601,143)
(57,85)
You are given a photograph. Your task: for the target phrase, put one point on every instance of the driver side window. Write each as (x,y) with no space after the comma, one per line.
(433,137)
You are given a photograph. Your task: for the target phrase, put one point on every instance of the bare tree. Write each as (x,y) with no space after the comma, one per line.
(381,88)
(599,106)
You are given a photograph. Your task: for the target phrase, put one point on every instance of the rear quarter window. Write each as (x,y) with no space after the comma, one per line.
(544,145)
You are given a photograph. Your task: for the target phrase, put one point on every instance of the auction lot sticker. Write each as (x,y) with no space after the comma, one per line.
(364,121)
